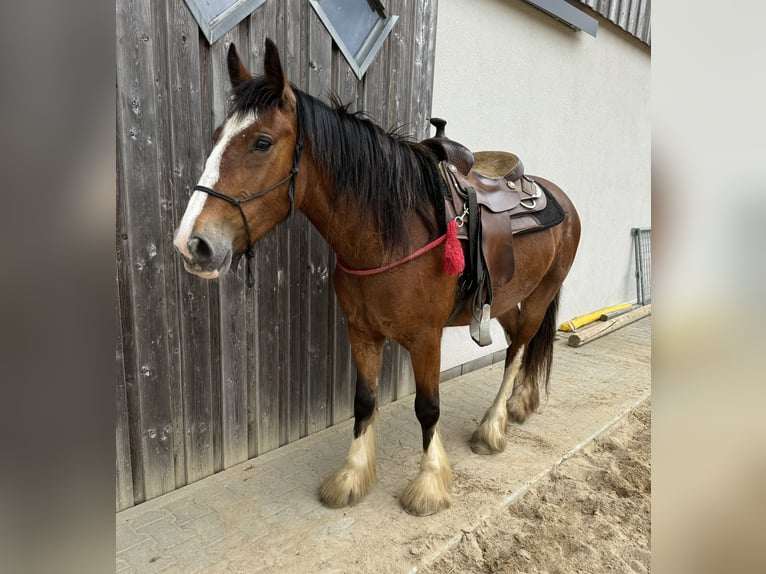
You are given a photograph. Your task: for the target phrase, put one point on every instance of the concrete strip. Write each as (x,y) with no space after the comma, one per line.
(264,515)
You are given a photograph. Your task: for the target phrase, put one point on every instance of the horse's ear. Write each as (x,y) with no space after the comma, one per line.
(237,71)
(273,72)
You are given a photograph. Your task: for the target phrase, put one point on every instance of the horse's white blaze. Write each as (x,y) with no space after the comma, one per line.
(196,203)
(231,129)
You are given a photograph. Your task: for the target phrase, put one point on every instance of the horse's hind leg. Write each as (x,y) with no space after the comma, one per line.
(354,479)
(429,492)
(490,437)
(540,310)
(531,331)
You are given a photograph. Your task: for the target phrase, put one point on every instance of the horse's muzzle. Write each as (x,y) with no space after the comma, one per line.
(202,258)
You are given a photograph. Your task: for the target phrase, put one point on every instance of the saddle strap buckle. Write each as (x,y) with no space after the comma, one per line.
(530,202)
(461,218)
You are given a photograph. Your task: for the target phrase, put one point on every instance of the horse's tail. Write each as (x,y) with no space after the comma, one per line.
(539,353)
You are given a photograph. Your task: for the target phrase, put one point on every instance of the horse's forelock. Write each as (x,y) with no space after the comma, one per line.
(256,95)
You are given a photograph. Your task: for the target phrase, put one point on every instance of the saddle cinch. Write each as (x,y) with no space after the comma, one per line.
(492,200)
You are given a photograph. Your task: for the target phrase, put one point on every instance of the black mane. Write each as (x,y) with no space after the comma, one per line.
(383,174)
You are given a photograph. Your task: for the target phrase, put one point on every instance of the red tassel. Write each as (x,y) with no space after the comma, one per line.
(454,261)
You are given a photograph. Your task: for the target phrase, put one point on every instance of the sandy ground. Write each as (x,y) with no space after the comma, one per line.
(591,514)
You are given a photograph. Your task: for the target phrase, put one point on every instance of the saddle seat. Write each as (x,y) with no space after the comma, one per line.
(494,175)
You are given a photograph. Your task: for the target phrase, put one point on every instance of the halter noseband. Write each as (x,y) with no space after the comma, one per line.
(238,202)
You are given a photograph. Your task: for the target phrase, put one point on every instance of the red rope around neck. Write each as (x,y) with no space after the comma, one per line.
(453,261)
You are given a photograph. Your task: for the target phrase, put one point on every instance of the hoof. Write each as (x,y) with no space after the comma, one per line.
(429,492)
(490,437)
(346,487)
(426,495)
(352,481)
(480,445)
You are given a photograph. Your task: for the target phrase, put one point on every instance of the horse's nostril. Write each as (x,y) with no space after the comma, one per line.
(200,250)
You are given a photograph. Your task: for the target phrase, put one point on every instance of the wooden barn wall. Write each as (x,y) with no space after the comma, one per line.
(208,373)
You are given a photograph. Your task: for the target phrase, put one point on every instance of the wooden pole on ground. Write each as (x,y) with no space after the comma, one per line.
(601,328)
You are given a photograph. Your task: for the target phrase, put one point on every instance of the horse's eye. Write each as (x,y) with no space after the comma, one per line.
(262,143)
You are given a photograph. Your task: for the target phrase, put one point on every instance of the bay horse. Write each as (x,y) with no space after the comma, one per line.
(376,198)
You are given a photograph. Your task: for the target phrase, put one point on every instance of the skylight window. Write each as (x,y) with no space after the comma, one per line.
(359,28)
(216,17)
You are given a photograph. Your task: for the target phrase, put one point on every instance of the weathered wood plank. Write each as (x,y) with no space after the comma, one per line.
(172,201)
(123,465)
(399,59)
(269,325)
(431,9)
(137,105)
(423,44)
(124,299)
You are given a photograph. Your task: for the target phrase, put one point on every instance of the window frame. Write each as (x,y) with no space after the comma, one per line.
(567,14)
(370,47)
(214,23)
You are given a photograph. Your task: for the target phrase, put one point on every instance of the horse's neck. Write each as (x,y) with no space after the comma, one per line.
(354,238)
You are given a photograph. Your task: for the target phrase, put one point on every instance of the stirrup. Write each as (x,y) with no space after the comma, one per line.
(480,326)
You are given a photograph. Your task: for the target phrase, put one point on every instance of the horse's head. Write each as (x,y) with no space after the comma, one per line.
(248,183)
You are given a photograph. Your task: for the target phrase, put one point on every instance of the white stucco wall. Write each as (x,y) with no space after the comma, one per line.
(576,110)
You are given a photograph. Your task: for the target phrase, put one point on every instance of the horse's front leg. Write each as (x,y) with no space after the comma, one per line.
(353,480)
(429,492)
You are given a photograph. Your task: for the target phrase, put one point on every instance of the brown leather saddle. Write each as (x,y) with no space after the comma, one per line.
(492,200)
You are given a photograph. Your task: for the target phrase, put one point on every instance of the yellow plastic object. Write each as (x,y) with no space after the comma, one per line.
(574,324)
